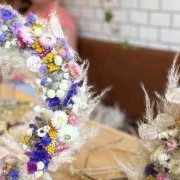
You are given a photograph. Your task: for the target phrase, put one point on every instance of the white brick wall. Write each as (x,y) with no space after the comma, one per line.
(129,4)
(138,17)
(147,23)
(120,15)
(170,5)
(149,4)
(148,33)
(129,31)
(176,20)
(160,19)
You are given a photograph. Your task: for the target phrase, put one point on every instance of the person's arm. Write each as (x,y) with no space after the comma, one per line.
(71,38)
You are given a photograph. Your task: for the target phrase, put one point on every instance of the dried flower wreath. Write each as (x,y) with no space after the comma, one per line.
(159,150)
(38,50)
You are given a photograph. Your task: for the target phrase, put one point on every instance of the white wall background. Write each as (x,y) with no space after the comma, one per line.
(149,23)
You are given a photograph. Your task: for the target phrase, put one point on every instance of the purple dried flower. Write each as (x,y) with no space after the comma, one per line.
(34,128)
(31,167)
(70,94)
(37,118)
(6,14)
(40,155)
(28,153)
(48,51)
(45,141)
(15,27)
(31,19)
(14,174)
(69,55)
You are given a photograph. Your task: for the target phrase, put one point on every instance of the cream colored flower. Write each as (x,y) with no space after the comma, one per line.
(59,119)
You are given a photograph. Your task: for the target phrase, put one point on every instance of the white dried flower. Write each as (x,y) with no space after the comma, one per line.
(164,159)
(60,93)
(13,42)
(38,174)
(58,60)
(63,85)
(3,28)
(7,44)
(40,165)
(59,119)
(66,75)
(41,132)
(68,134)
(51,93)
(39,109)
(163,135)
(47,128)
(29,131)
(33,63)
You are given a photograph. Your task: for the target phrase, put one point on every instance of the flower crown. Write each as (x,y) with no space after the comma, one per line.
(38,50)
(159,149)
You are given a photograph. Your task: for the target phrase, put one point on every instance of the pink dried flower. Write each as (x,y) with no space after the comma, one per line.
(171,145)
(62,53)
(73,119)
(75,70)
(65,67)
(20,44)
(26,35)
(60,148)
(161,176)
(47,40)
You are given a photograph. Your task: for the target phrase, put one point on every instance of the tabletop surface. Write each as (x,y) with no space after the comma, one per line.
(96,159)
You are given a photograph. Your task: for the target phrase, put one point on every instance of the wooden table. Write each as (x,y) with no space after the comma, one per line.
(99,153)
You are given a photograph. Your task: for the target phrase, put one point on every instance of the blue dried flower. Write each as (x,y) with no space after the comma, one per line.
(45,141)
(46,163)
(31,19)
(40,155)
(14,174)
(70,94)
(7,14)
(42,70)
(53,102)
(43,81)
(3,37)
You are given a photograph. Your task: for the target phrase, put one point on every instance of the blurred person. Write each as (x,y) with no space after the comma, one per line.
(42,8)
(20,5)
(2,1)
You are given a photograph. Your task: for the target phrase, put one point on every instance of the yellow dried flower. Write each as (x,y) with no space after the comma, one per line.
(38,24)
(52,67)
(50,149)
(25,139)
(49,58)
(52,134)
(8,167)
(37,47)
(150,177)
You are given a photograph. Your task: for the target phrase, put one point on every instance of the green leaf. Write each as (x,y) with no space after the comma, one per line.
(108,16)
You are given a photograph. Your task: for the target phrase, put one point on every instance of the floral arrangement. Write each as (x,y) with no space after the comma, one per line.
(38,50)
(159,150)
